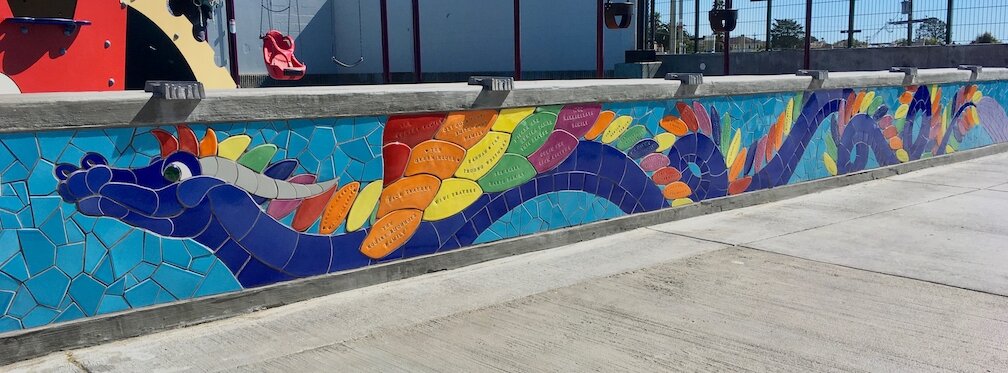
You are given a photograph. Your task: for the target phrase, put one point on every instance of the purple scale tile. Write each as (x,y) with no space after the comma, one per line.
(578,119)
(555,150)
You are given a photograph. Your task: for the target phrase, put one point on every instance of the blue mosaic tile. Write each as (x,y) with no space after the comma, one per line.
(94,251)
(22,304)
(143,270)
(152,248)
(5,299)
(23,146)
(357,150)
(179,282)
(218,280)
(9,323)
(142,295)
(127,253)
(103,272)
(296,145)
(41,182)
(117,288)
(112,303)
(373,170)
(49,287)
(55,230)
(16,268)
(323,142)
(6,157)
(15,172)
(110,231)
(174,252)
(38,317)
(202,265)
(72,312)
(9,245)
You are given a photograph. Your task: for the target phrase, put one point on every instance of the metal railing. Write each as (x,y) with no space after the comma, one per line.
(835,24)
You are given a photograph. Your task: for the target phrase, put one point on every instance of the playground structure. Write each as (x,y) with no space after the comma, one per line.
(65,45)
(71,46)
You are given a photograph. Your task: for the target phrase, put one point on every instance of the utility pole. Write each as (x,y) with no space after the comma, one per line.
(769,20)
(229,8)
(909,12)
(727,44)
(948,24)
(808,34)
(696,28)
(641,24)
(517,41)
(678,28)
(850,26)
(673,46)
(654,25)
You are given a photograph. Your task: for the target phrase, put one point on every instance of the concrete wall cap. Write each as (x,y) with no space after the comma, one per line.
(46,111)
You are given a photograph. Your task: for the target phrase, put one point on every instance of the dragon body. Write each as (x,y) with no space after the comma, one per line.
(478,166)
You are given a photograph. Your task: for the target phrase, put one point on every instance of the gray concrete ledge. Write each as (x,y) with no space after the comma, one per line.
(28,344)
(44,111)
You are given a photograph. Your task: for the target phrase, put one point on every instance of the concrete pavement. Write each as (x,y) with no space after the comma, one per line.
(902,274)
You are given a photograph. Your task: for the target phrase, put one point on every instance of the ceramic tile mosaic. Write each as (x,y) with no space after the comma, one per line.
(98,221)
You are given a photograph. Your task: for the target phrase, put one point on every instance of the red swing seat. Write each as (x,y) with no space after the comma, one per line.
(278,53)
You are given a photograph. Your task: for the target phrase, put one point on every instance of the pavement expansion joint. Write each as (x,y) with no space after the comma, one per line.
(933,184)
(848,220)
(744,246)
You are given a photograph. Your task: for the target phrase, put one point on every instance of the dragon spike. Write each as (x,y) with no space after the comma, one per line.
(169,144)
(187,140)
(233,147)
(208,147)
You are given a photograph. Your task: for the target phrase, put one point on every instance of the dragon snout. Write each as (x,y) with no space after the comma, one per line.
(78,183)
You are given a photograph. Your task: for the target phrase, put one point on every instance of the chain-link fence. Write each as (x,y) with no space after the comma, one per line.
(835,24)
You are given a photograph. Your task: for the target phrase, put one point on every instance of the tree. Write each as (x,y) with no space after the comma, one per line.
(787,34)
(932,31)
(986,38)
(662,33)
(687,41)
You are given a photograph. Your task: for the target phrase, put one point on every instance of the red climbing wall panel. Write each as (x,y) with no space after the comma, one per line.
(36,62)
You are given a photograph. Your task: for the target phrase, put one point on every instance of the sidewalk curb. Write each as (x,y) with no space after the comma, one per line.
(27,344)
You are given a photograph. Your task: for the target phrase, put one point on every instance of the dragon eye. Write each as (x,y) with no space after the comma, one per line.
(176,171)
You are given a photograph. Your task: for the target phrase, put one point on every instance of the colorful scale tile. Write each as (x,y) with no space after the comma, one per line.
(96,221)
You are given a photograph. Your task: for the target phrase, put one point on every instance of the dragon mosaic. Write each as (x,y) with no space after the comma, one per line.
(443,171)
(267,213)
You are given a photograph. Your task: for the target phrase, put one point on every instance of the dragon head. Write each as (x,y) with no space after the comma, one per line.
(188,188)
(146,197)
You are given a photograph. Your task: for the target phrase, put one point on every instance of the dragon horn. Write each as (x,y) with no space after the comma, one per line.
(168,142)
(187,140)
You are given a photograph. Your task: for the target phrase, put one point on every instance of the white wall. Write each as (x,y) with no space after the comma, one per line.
(456,35)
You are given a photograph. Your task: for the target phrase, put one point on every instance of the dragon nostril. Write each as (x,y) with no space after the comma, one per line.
(92,159)
(63,170)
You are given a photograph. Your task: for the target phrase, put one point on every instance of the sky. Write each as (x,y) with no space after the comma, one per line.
(970,17)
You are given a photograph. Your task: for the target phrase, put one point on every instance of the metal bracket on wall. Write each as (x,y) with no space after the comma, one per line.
(686,78)
(493,83)
(172,90)
(910,72)
(976,69)
(815,74)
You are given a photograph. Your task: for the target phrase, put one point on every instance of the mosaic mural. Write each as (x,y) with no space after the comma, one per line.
(99,221)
